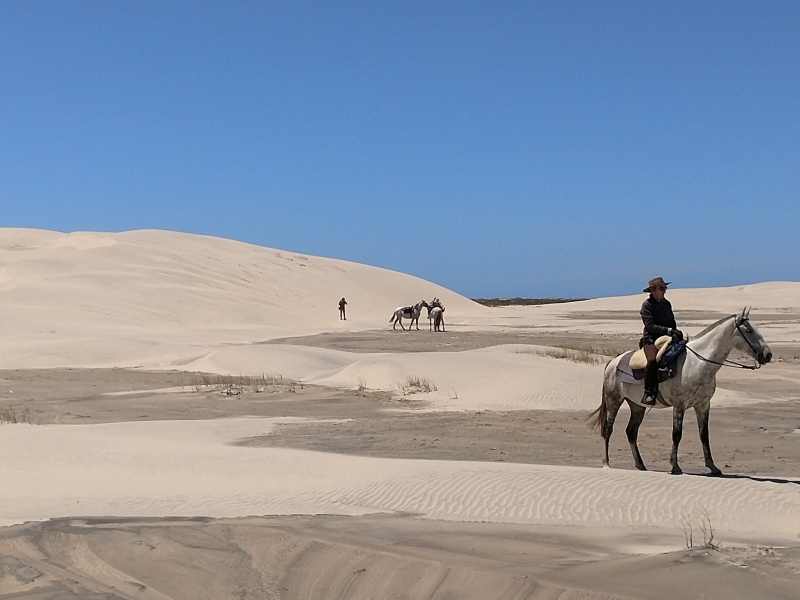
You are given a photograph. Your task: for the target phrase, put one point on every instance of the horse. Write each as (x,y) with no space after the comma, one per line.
(436,318)
(409,312)
(692,386)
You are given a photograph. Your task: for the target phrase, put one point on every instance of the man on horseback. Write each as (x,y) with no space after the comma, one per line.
(658,321)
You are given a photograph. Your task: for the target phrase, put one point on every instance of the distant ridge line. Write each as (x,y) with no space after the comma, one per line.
(524,301)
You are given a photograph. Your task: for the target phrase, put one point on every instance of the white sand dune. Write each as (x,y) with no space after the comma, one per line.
(165,300)
(190,468)
(160,298)
(509,377)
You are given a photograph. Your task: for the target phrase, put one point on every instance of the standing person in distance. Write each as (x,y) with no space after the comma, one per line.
(342,304)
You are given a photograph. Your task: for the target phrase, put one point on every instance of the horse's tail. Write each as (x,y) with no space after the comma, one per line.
(392,317)
(598,418)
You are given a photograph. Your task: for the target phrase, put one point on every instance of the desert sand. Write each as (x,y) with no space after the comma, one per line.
(187,417)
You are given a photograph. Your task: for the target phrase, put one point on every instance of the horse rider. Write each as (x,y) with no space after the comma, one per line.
(342,304)
(658,320)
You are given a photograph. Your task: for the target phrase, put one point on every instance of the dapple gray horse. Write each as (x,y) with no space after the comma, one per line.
(408,312)
(692,386)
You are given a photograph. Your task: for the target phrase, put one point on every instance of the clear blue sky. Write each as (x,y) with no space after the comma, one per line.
(497,148)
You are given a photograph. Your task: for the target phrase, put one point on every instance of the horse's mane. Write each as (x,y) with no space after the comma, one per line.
(713,326)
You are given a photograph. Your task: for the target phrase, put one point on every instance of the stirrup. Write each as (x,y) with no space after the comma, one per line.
(648,399)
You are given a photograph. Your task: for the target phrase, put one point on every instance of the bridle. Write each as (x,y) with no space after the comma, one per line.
(732,363)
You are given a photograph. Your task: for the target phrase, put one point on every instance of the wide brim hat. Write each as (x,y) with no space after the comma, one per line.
(655,283)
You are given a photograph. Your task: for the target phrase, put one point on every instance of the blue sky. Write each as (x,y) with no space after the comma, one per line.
(497,148)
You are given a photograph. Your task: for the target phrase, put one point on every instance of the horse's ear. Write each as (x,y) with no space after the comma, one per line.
(747,312)
(740,316)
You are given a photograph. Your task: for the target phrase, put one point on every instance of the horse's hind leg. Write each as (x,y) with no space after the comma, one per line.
(608,425)
(702,425)
(632,431)
(678,411)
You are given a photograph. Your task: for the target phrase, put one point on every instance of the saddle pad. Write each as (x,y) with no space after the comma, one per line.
(624,371)
(639,360)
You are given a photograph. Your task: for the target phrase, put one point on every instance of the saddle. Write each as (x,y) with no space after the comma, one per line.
(639,360)
(632,365)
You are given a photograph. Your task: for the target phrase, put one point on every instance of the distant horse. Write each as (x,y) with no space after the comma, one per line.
(692,386)
(436,318)
(436,315)
(408,312)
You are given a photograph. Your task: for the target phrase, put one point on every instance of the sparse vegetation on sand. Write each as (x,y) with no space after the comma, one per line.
(579,356)
(10,415)
(414,384)
(233,385)
(704,525)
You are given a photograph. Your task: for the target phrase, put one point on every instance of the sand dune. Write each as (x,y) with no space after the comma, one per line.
(155,297)
(162,300)
(192,468)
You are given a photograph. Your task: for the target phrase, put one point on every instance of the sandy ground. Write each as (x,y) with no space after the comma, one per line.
(387,556)
(309,466)
(367,557)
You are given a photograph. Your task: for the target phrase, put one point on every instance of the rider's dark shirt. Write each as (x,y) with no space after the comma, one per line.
(657,318)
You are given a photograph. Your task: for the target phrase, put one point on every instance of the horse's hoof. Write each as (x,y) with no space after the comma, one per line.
(715,473)
(606,466)
(676,471)
(641,467)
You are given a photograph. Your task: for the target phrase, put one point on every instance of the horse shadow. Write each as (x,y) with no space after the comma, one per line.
(762,479)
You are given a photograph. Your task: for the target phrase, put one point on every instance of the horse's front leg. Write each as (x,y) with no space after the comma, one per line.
(678,411)
(702,425)
(632,431)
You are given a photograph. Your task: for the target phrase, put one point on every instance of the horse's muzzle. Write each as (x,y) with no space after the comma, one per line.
(764,357)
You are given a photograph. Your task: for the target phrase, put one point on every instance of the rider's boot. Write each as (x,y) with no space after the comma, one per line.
(650,383)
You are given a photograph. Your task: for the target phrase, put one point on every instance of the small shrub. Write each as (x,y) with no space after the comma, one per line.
(414,384)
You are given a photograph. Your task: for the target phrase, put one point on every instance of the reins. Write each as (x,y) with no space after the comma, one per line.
(727,362)
(732,364)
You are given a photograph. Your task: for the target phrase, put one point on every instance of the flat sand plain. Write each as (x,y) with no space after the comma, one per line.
(400,555)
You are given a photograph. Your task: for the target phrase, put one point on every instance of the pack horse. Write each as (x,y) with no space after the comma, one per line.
(691,384)
(436,315)
(407,312)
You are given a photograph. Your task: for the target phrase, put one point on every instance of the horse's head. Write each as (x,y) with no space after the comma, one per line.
(749,339)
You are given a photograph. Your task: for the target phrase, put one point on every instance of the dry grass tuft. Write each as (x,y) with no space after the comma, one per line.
(589,357)
(414,384)
(234,385)
(10,415)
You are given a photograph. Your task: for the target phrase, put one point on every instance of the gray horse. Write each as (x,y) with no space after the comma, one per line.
(408,312)
(692,386)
